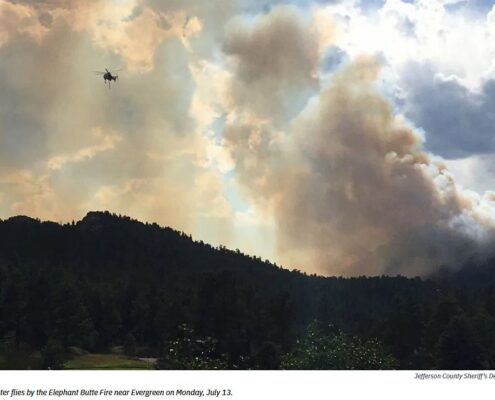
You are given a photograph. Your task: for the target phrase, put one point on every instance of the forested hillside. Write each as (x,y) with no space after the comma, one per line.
(110,281)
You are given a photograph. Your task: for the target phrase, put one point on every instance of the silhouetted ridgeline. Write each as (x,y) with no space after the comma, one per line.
(111,281)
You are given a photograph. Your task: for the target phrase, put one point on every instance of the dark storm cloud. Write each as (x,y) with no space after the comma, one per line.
(458,122)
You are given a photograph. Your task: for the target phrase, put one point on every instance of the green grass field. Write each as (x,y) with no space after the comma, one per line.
(22,359)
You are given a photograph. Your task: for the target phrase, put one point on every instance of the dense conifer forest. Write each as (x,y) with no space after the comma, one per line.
(109,281)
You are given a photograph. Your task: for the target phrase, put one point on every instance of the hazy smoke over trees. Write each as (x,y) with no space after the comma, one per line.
(224,107)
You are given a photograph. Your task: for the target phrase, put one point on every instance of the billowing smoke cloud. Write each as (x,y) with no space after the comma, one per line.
(349,184)
(68,144)
(228,122)
(276,61)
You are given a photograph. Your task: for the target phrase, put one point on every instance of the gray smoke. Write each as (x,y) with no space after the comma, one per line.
(349,184)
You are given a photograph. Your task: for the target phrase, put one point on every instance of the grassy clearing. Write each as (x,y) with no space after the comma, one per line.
(24,358)
(106,361)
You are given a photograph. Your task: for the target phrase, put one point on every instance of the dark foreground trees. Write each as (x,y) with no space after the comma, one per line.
(336,350)
(109,282)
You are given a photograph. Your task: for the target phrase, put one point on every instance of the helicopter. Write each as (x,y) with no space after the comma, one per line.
(107,76)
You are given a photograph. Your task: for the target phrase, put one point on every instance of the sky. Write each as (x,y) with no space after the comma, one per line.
(345,137)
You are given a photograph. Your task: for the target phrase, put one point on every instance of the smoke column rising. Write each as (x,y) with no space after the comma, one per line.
(348,182)
(219,94)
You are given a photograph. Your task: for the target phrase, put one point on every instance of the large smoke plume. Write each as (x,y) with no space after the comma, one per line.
(218,92)
(348,182)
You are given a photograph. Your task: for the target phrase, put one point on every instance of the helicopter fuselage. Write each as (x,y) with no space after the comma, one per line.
(109,77)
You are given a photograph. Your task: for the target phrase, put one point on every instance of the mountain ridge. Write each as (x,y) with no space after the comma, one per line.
(108,280)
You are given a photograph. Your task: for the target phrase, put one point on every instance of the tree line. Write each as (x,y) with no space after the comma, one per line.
(112,281)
